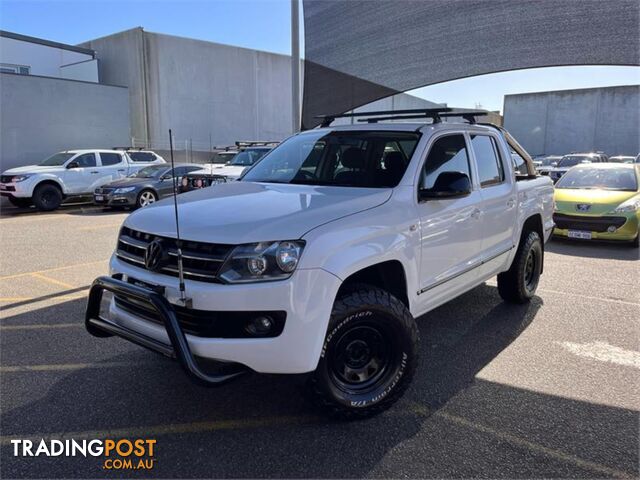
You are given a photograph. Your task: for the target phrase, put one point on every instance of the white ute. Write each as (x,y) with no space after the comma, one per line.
(67,174)
(322,256)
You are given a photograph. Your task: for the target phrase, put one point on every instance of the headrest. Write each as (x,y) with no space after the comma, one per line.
(352,158)
(394,161)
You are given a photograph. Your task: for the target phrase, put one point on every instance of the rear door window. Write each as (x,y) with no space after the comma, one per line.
(109,158)
(490,168)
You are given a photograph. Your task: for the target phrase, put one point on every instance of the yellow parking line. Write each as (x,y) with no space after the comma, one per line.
(55,269)
(53,280)
(40,326)
(25,299)
(176,428)
(532,446)
(62,367)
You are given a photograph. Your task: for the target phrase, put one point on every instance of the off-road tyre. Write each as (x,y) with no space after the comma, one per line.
(47,197)
(369,355)
(20,202)
(519,283)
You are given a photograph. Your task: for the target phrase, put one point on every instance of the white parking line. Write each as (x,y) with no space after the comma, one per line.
(604,352)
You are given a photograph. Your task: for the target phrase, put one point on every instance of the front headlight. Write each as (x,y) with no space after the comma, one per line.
(265,261)
(124,190)
(629,206)
(20,178)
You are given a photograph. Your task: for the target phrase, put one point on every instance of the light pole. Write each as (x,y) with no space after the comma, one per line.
(295,65)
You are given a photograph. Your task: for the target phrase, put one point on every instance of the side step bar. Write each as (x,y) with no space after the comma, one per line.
(179,348)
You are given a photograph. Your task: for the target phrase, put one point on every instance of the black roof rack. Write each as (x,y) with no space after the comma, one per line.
(254,143)
(129,148)
(435,114)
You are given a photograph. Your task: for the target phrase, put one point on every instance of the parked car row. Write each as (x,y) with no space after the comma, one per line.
(557,165)
(71,173)
(121,177)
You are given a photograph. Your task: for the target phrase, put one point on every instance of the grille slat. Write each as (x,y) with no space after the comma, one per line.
(201,261)
(587,223)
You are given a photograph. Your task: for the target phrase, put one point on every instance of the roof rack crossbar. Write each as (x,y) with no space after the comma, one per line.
(421,112)
(250,143)
(434,113)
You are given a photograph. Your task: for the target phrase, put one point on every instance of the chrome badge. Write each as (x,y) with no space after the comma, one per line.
(583,207)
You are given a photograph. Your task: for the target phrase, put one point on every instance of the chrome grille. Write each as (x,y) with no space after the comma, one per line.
(201,261)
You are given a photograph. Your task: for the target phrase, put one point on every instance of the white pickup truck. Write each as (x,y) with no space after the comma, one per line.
(322,256)
(66,174)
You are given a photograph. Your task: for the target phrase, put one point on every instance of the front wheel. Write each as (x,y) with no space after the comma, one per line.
(47,197)
(519,283)
(146,197)
(369,355)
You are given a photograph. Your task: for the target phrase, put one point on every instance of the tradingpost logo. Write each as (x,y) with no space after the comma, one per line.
(122,454)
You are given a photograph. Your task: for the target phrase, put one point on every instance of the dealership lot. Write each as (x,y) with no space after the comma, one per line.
(549,389)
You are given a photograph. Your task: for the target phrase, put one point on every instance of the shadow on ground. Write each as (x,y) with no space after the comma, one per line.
(424,435)
(604,250)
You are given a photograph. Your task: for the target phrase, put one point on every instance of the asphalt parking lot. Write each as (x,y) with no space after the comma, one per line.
(550,389)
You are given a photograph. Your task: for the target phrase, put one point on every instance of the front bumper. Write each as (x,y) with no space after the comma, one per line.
(179,347)
(115,200)
(626,232)
(306,297)
(22,189)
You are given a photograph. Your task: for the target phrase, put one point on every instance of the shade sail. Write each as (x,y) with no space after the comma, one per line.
(357,51)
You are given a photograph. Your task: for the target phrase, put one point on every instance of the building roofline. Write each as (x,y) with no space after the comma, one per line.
(546,92)
(48,43)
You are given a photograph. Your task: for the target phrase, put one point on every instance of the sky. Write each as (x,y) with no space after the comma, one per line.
(266,25)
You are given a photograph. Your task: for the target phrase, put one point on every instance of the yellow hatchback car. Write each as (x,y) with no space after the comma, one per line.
(599,201)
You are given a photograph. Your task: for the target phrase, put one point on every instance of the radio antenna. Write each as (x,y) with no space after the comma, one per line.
(186,302)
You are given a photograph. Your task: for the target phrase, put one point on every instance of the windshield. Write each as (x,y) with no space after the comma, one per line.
(248,157)
(367,159)
(56,160)
(547,161)
(623,179)
(153,171)
(572,160)
(222,157)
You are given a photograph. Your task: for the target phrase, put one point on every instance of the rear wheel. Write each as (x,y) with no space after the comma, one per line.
(20,202)
(519,283)
(47,197)
(146,197)
(369,355)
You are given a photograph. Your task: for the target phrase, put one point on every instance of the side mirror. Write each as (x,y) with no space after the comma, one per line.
(447,185)
(165,177)
(73,165)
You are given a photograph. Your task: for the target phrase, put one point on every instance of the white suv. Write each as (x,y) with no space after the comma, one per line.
(323,255)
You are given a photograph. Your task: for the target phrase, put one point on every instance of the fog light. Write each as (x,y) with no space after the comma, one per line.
(259,326)
(611,229)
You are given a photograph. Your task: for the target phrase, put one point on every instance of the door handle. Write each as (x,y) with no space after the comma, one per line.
(476,213)
(511,203)
(121,170)
(95,171)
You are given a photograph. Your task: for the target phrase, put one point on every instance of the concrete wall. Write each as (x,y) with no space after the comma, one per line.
(207,93)
(40,116)
(45,60)
(594,119)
